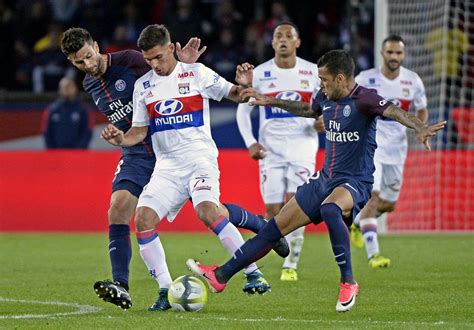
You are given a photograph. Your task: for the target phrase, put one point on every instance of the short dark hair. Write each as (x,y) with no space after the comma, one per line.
(288,23)
(338,61)
(393,38)
(74,39)
(153,35)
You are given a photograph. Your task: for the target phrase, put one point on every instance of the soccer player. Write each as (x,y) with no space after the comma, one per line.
(109,81)
(405,89)
(171,103)
(337,192)
(287,144)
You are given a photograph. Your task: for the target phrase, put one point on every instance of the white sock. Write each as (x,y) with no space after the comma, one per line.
(368,227)
(231,239)
(295,240)
(153,255)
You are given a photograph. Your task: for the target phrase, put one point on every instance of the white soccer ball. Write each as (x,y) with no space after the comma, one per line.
(187,294)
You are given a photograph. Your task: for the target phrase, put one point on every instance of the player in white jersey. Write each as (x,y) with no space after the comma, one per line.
(287,144)
(405,89)
(172,101)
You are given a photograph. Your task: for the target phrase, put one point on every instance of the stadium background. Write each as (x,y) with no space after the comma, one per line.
(69,190)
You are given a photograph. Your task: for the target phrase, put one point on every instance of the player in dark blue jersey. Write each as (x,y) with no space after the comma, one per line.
(335,194)
(109,80)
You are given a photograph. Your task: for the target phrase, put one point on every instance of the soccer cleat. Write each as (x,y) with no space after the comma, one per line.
(114,293)
(377,261)
(161,303)
(281,248)
(289,274)
(206,272)
(356,236)
(256,283)
(347,296)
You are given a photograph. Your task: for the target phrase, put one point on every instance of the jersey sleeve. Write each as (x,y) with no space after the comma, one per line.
(244,123)
(212,85)
(316,103)
(141,117)
(420,101)
(372,104)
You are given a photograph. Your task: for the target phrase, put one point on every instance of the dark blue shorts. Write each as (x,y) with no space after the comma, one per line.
(311,194)
(133,173)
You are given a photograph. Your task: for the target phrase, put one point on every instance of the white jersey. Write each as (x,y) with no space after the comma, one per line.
(406,91)
(285,136)
(176,107)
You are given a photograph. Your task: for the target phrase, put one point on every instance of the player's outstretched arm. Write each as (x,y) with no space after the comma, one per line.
(117,137)
(191,52)
(423,131)
(301,109)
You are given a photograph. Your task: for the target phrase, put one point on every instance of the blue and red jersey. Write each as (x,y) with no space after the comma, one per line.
(350,124)
(112,93)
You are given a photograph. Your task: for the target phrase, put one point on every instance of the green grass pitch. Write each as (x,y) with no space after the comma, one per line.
(46,282)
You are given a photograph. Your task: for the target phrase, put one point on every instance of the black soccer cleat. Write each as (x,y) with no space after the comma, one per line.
(281,248)
(114,293)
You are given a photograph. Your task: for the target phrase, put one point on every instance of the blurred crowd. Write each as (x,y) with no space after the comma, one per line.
(234,31)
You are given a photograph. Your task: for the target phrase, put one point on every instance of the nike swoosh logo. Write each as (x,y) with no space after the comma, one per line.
(97,102)
(326,107)
(347,302)
(351,187)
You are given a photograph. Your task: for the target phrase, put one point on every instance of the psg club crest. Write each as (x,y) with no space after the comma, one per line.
(120,85)
(346,111)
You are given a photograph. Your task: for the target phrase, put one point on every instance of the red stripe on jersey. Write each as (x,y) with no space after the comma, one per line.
(333,148)
(102,85)
(404,104)
(189,104)
(305,95)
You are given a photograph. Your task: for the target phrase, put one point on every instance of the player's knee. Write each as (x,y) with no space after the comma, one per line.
(118,215)
(386,206)
(208,213)
(271,210)
(144,219)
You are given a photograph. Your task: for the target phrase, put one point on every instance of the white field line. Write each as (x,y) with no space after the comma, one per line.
(81,309)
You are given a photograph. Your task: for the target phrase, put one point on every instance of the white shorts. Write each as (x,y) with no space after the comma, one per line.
(278,179)
(388,180)
(168,190)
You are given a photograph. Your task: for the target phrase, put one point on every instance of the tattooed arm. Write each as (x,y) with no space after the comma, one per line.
(423,131)
(300,109)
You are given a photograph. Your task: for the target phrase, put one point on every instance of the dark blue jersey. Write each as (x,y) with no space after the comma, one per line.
(350,132)
(113,93)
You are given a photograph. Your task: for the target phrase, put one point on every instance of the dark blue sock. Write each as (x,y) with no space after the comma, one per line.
(242,218)
(339,235)
(251,251)
(120,252)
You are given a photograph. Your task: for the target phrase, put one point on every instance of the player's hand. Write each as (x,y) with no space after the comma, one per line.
(112,135)
(257,151)
(244,74)
(426,132)
(319,124)
(259,99)
(191,52)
